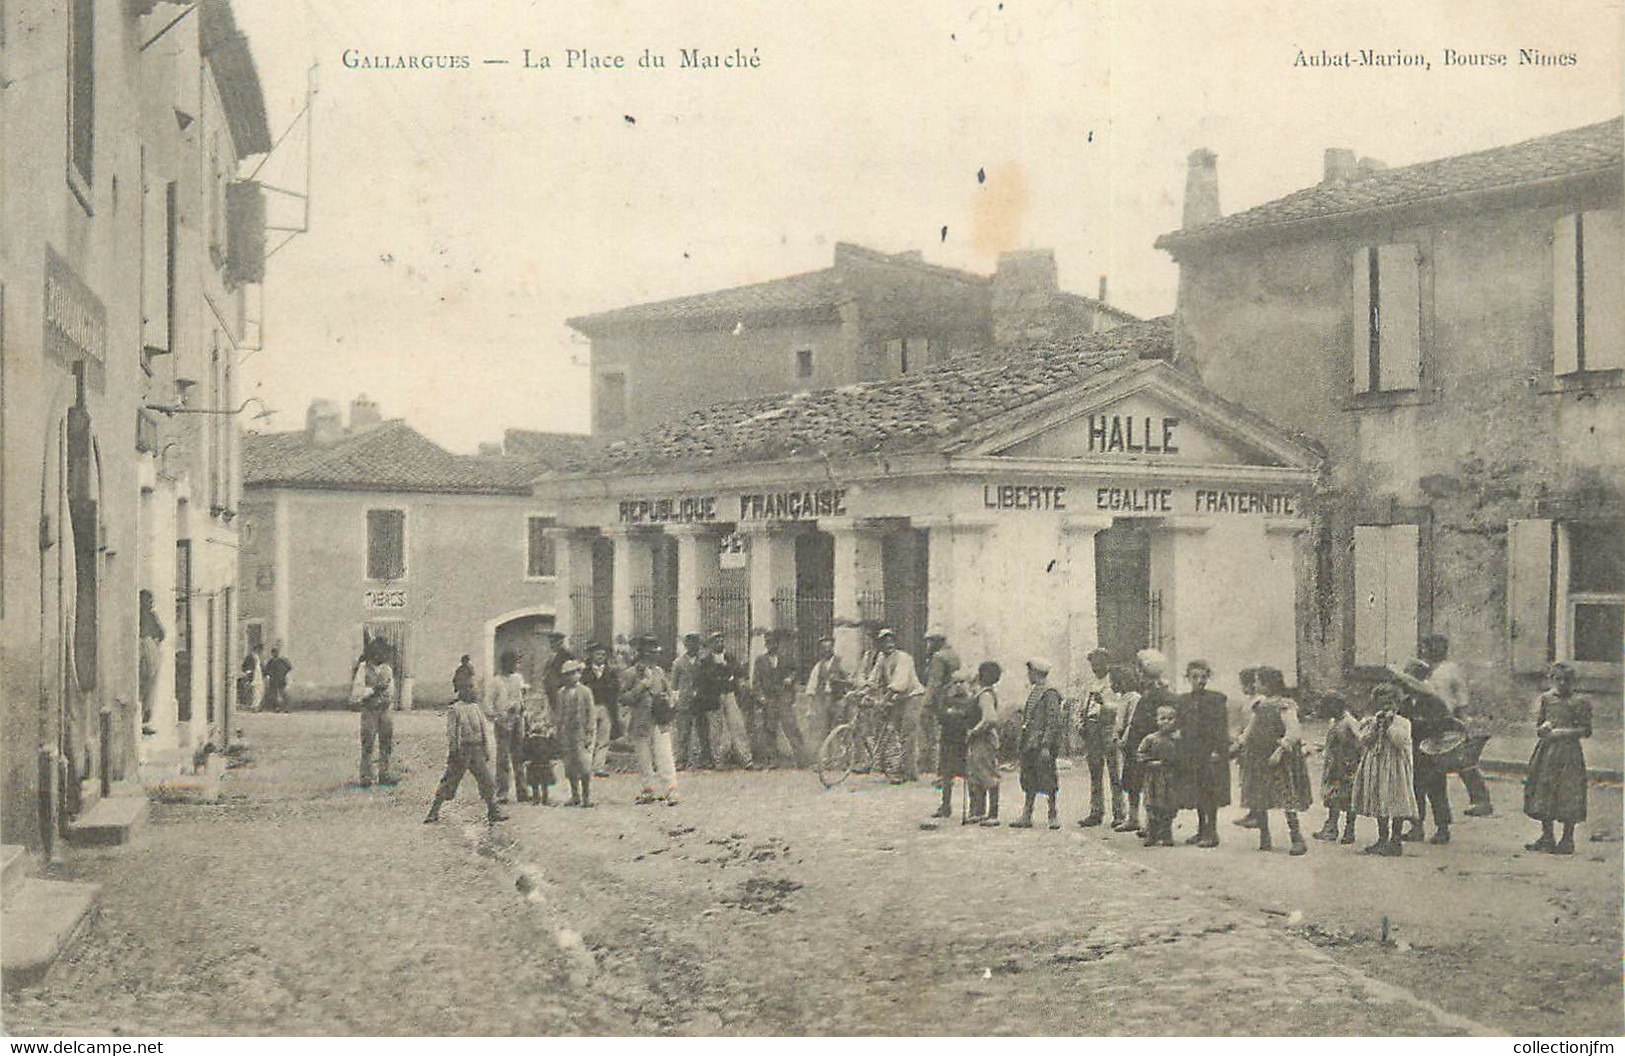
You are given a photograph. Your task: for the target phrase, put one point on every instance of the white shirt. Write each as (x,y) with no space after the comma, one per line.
(894,672)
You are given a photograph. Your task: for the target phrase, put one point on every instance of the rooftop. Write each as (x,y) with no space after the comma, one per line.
(391,456)
(549,449)
(1576,152)
(916,412)
(812,292)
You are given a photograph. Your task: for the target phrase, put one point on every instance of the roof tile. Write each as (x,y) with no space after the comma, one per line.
(389,457)
(1578,151)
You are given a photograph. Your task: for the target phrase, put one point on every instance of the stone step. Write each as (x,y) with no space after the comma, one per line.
(14,866)
(42,919)
(201,786)
(110,822)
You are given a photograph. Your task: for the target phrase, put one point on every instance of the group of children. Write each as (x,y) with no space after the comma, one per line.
(526,733)
(1172,753)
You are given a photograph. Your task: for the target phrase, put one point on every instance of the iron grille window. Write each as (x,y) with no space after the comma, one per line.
(386,544)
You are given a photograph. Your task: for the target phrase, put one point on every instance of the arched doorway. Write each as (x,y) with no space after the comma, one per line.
(525,632)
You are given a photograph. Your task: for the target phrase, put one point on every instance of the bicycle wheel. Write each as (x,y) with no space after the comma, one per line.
(835,756)
(888,752)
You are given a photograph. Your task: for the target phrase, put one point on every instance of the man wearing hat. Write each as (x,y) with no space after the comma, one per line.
(941,668)
(1038,744)
(552,671)
(648,723)
(774,679)
(603,678)
(691,721)
(827,685)
(894,676)
(577,732)
(716,692)
(1097,723)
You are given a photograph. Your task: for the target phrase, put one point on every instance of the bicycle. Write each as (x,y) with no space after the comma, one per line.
(867,742)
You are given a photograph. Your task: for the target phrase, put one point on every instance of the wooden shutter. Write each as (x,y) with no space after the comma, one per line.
(1370,595)
(1565,294)
(1399,291)
(1401,550)
(1360,319)
(1385,592)
(1529,593)
(1604,291)
(156,202)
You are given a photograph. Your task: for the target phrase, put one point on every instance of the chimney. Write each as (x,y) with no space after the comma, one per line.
(1368,166)
(490,449)
(1340,166)
(364,414)
(1024,283)
(323,423)
(1201,188)
(1102,297)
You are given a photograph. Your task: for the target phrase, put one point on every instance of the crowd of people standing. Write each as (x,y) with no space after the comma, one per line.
(1151,753)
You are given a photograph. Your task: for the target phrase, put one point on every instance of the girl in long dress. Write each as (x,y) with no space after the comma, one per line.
(1384,785)
(982,748)
(1555,789)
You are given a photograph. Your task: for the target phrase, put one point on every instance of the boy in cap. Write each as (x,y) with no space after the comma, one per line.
(1097,724)
(577,732)
(1038,743)
(469,741)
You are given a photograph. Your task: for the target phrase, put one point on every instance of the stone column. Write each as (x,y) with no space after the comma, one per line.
(634,570)
(572,571)
(857,569)
(1183,581)
(772,566)
(698,567)
(1082,621)
(955,578)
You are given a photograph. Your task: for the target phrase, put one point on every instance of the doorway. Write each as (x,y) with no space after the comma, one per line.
(1123,587)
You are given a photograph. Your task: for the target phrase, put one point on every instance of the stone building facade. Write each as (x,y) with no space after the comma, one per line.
(372,530)
(1078,494)
(127,245)
(867,317)
(1451,333)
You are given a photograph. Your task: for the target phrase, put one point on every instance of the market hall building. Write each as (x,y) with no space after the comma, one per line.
(1042,502)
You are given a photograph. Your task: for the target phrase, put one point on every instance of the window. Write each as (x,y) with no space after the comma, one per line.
(1595,605)
(1387,318)
(612,400)
(81,97)
(1566,594)
(386,544)
(897,355)
(913,353)
(1386,559)
(158,244)
(1588,293)
(539,549)
(804,362)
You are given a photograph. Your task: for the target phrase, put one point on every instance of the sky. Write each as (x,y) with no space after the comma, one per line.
(457,217)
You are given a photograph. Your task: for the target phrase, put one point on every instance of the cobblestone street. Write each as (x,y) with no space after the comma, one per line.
(763,904)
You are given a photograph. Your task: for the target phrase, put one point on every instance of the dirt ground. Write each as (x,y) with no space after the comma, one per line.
(764,904)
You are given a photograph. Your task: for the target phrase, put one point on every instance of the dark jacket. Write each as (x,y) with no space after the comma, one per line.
(1041,722)
(714,677)
(1204,725)
(606,687)
(774,678)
